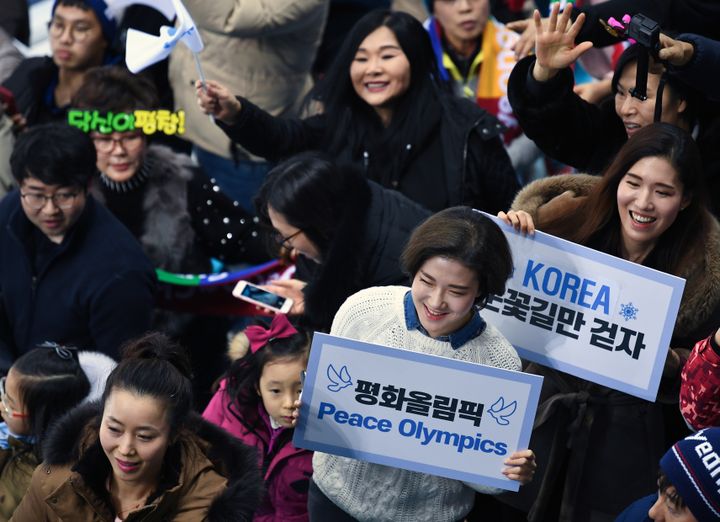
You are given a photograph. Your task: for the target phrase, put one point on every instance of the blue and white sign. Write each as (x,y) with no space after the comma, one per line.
(587,313)
(415,411)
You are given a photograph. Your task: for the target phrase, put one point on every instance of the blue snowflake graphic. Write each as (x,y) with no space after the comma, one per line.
(628,311)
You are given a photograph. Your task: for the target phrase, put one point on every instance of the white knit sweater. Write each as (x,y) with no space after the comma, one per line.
(373,492)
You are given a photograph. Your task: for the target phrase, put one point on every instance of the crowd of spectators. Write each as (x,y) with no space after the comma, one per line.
(346,146)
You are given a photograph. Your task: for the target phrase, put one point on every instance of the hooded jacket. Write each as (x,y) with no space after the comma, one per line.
(610,441)
(207,475)
(287,469)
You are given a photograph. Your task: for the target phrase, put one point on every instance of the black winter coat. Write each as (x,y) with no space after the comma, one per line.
(459,161)
(588,136)
(29,83)
(365,251)
(94,292)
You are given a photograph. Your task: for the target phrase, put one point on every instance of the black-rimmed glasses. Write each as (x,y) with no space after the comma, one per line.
(283,240)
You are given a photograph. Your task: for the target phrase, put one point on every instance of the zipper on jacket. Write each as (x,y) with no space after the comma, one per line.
(366,159)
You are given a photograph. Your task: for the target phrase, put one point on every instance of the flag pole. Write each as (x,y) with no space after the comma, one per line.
(198,67)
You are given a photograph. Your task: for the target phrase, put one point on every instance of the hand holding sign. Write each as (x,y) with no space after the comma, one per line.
(520,220)
(402,418)
(522,466)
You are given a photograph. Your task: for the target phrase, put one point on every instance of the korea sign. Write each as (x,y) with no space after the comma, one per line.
(587,313)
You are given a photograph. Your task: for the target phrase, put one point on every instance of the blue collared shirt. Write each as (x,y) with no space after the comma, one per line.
(472,329)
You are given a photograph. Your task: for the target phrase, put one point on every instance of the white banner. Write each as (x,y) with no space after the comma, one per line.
(587,313)
(415,411)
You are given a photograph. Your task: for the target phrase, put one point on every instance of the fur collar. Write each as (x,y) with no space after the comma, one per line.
(701,297)
(168,237)
(76,432)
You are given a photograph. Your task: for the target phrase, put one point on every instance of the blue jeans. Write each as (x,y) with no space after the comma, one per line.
(239,182)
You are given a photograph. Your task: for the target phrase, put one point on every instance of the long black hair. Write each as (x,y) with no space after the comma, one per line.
(50,383)
(597,222)
(350,119)
(312,193)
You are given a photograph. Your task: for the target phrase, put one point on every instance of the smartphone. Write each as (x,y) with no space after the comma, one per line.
(261,297)
(8,99)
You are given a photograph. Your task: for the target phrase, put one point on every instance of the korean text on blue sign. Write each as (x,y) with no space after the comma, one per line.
(587,313)
(415,411)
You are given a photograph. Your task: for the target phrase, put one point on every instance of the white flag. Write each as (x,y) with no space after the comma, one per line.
(143,49)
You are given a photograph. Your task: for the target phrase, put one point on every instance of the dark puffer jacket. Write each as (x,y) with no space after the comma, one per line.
(94,292)
(365,251)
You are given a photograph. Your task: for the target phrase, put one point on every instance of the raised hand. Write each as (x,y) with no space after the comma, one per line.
(526,43)
(555,44)
(675,52)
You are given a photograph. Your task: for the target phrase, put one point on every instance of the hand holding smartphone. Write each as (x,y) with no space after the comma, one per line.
(262,298)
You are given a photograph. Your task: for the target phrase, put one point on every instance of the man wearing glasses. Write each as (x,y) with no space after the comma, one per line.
(69,271)
(81,34)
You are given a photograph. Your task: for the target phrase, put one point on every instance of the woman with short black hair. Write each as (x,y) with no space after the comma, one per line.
(456,259)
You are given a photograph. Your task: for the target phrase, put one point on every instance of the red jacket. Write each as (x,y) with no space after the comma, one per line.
(699,397)
(287,469)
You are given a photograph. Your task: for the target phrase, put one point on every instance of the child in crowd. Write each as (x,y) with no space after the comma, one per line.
(255,403)
(687,483)
(41,386)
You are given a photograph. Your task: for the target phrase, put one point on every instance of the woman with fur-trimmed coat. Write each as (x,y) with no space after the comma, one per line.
(178,214)
(140,453)
(70,469)
(598,448)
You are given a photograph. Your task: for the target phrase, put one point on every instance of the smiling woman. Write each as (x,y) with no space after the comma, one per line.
(143,454)
(456,258)
(648,208)
(383,110)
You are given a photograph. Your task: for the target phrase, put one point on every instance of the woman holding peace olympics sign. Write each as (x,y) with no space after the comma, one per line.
(598,448)
(456,258)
